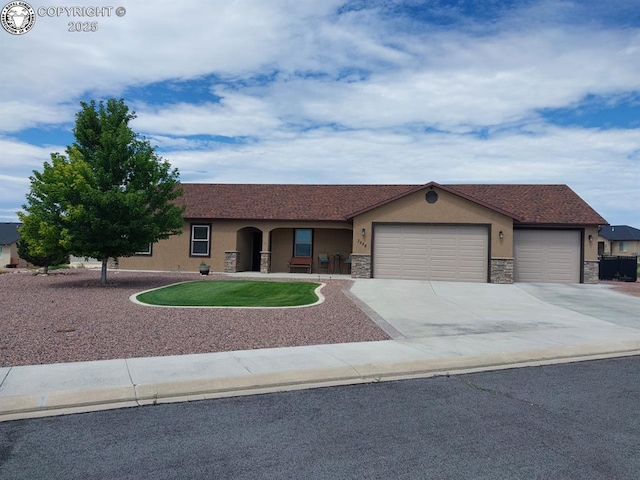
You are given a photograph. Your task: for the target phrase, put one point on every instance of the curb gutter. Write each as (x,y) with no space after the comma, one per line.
(42,404)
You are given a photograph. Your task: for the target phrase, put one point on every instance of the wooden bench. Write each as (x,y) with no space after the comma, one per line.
(303,263)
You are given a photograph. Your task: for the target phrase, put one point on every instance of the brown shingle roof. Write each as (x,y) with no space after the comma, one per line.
(536,204)
(282,202)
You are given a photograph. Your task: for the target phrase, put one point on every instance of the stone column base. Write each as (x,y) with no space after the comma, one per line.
(265,262)
(360,265)
(501,270)
(231,261)
(591,271)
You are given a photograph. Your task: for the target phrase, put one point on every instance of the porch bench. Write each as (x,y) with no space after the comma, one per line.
(303,263)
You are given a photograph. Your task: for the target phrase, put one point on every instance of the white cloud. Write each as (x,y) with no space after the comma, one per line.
(16,155)
(164,142)
(154,41)
(20,114)
(437,76)
(235,115)
(17,162)
(460,80)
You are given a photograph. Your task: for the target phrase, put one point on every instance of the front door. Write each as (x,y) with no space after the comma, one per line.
(256,248)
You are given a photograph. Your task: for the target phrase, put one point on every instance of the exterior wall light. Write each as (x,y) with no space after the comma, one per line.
(501,234)
(590,238)
(363,232)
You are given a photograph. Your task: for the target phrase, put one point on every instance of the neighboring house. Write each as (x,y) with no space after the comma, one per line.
(621,240)
(476,233)
(9,236)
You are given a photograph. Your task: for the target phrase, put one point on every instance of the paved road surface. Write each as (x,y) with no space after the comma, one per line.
(578,421)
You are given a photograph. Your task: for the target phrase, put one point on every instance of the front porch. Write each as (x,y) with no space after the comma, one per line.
(270,251)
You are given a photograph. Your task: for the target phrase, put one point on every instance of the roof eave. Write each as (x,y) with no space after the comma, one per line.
(256,219)
(557,224)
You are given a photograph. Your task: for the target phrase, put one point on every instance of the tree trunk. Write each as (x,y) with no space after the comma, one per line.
(103,275)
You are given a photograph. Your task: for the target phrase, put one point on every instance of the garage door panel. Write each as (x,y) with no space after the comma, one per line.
(547,256)
(415,261)
(468,243)
(443,263)
(472,265)
(427,252)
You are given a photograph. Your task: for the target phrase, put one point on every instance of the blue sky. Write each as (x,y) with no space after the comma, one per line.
(331,91)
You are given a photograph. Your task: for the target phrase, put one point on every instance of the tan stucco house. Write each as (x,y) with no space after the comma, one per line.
(475,233)
(619,240)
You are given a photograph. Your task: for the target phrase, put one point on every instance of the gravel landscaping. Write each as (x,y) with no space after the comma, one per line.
(630,288)
(68,317)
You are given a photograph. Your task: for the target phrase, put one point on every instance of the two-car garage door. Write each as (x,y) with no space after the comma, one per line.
(431,252)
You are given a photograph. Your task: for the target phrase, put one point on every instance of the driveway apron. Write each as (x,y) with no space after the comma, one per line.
(421,309)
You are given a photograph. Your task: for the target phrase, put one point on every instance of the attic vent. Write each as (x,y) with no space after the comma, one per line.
(431,196)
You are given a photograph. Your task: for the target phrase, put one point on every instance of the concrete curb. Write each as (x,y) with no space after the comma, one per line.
(124,392)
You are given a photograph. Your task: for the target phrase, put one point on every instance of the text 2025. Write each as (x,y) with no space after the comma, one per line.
(83,26)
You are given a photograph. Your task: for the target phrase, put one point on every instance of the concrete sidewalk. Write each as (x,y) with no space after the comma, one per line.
(455,328)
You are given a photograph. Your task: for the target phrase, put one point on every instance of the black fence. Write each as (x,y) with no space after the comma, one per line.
(624,269)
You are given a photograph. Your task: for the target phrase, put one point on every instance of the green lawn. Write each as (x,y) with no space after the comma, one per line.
(232,293)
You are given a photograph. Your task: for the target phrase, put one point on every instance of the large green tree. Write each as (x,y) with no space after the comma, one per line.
(111,196)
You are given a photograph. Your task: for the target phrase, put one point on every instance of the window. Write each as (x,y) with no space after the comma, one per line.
(302,243)
(431,196)
(146,251)
(623,246)
(200,240)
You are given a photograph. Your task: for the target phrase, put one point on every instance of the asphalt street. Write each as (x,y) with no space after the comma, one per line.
(568,421)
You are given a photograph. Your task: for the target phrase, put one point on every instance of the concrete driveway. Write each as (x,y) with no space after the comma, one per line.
(408,309)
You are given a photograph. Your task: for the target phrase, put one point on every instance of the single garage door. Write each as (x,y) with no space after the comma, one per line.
(551,256)
(426,252)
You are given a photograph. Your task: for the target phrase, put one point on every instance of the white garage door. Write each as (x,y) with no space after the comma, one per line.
(546,256)
(426,252)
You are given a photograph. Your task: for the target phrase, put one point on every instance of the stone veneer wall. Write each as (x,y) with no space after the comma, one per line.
(591,271)
(360,265)
(501,270)
(231,261)
(265,262)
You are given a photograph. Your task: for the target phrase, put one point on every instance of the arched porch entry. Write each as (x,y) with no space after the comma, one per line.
(249,245)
